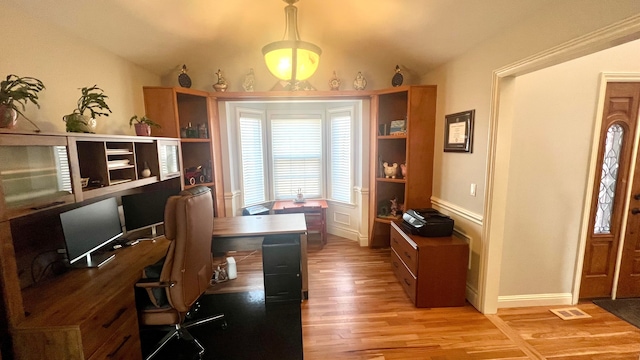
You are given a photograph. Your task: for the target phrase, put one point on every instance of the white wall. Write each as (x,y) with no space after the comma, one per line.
(465,83)
(65,64)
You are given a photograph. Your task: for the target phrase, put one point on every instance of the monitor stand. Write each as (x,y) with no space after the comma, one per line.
(154,235)
(94,260)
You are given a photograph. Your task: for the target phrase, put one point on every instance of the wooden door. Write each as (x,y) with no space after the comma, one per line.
(629,276)
(610,192)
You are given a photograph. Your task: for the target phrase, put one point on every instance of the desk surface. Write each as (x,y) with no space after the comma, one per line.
(259,225)
(287,204)
(69,299)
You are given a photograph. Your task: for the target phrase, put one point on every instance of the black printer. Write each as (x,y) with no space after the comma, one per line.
(427,222)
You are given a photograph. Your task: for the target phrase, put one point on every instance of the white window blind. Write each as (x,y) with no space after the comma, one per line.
(296,153)
(251,148)
(341,184)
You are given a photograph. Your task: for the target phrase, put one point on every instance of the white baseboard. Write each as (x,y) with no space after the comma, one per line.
(472,297)
(511,301)
(345,233)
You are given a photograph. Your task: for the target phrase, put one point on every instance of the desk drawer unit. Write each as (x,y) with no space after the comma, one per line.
(406,278)
(432,271)
(124,344)
(105,320)
(281,266)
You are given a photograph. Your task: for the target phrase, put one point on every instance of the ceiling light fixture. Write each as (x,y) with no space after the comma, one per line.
(291,59)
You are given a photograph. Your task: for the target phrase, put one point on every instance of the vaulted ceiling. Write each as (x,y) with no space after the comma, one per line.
(160,34)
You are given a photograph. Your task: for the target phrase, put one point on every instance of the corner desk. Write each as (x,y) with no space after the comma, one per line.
(239,228)
(315,213)
(86,313)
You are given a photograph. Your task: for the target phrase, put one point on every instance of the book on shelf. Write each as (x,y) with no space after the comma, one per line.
(398,127)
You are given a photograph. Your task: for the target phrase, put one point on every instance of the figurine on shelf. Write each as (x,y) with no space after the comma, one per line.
(397,78)
(221,85)
(390,171)
(403,170)
(249,80)
(360,82)
(334,83)
(396,208)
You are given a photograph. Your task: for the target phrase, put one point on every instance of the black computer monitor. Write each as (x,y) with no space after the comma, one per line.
(146,209)
(87,229)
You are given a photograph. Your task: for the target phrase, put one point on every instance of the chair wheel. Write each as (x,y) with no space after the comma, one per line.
(224,325)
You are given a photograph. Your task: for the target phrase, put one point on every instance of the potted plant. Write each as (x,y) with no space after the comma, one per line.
(16,90)
(143,125)
(92,100)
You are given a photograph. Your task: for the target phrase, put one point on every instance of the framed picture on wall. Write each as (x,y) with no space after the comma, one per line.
(458,132)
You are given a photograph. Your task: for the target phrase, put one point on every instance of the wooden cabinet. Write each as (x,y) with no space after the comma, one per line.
(107,164)
(432,271)
(409,111)
(192,116)
(35,174)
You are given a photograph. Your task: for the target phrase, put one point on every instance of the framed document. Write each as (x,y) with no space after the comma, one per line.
(458,132)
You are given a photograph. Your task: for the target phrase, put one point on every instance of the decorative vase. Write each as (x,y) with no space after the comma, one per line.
(80,123)
(221,85)
(8,117)
(143,129)
(146,172)
(397,78)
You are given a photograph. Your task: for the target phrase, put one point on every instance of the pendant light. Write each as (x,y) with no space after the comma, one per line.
(291,59)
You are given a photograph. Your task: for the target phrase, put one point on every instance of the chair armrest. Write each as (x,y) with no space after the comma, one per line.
(154,283)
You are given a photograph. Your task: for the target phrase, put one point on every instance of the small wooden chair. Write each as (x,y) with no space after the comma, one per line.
(313,217)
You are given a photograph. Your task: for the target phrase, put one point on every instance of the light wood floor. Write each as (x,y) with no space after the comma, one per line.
(358,310)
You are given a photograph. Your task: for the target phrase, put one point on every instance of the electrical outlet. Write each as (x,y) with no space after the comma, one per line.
(472,190)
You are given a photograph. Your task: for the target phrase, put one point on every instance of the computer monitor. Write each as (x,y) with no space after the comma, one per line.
(87,229)
(146,209)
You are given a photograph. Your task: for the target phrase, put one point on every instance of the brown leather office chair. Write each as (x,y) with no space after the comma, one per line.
(175,284)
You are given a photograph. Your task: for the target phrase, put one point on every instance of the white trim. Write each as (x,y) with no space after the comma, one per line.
(617,33)
(457,232)
(457,210)
(350,234)
(511,301)
(472,296)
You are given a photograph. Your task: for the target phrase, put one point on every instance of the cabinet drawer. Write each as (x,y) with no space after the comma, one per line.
(281,259)
(406,251)
(105,319)
(407,280)
(123,345)
(282,287)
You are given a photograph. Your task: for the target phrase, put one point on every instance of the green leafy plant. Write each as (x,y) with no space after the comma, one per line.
(20,90)
(92,99)
(16,90)
(143,120)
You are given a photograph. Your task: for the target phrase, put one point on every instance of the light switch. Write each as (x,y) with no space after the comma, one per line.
(472,191)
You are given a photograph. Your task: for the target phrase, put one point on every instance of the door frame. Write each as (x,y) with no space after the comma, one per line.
(499,147)
(605,79)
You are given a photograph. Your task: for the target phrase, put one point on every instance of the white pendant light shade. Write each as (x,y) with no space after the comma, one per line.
(291,58)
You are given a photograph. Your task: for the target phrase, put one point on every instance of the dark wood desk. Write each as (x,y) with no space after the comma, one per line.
(87,313)
(240,227)
(315,213)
